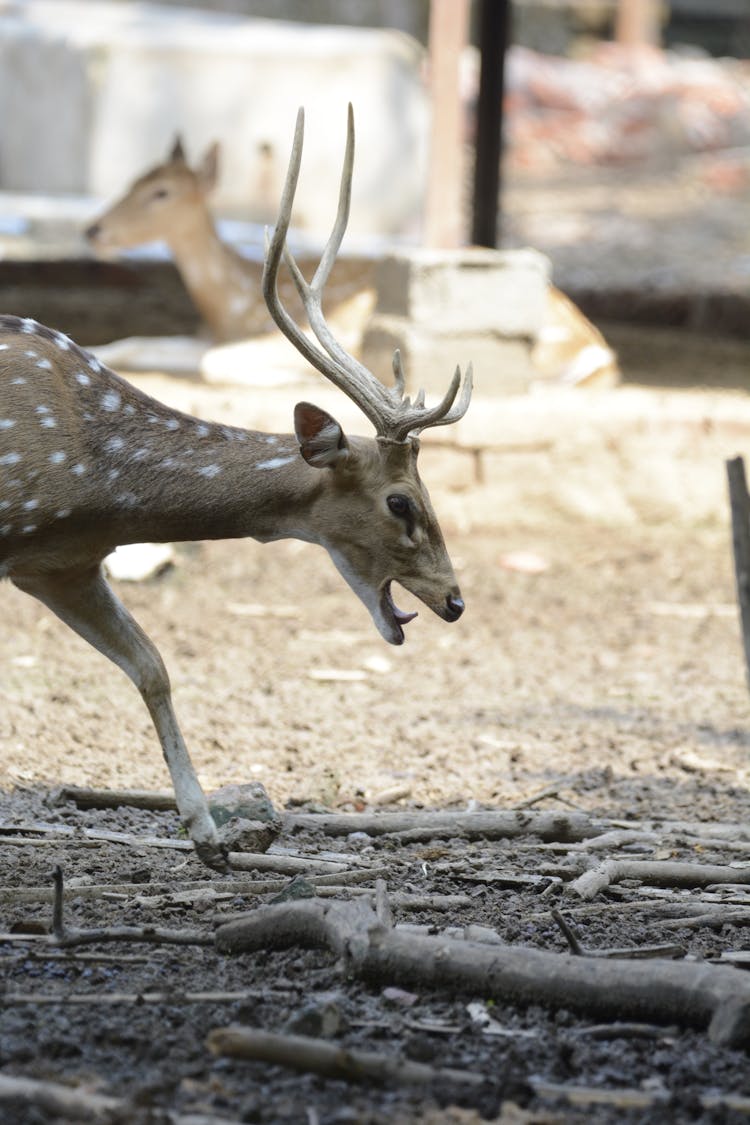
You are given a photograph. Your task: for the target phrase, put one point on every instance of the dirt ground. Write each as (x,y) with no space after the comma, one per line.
(598,662)
(598,659)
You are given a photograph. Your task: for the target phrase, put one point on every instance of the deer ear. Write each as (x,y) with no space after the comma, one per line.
(177,152)
(321,440)
(208,169)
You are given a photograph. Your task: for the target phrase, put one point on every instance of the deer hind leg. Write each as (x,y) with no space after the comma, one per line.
(85,602)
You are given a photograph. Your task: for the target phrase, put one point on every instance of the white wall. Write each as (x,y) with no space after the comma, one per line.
(92,93)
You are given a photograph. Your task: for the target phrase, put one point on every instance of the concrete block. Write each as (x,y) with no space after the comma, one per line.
(446,307)
(129,76)
(467,290)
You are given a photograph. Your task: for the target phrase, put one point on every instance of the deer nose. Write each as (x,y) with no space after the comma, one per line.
(455,607)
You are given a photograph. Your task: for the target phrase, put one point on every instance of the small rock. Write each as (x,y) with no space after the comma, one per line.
(399,998)
(298,887)
(246,816)
(321,1018)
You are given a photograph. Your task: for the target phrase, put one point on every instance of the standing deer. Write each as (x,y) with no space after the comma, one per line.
(88,462)
(170,203)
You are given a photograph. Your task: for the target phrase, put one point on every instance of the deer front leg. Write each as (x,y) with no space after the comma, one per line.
(85,602)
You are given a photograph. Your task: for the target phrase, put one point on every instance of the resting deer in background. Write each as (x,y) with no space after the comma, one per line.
(88,462)
(170,203)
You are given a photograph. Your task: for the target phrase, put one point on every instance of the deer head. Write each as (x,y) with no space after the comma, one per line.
(159,204)
(374,513)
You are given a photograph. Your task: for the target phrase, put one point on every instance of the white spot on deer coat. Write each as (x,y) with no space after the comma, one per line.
(114,443)
(210,470)
(10,459)
(7,423)
(63,513)
(111,401)
(48,422)
(172,424)
(30,505)
(44,364)
(83,378)
(58,457)
(276,462)
(78,470)
(28,325)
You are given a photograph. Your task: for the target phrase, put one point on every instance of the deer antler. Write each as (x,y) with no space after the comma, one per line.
(393,415)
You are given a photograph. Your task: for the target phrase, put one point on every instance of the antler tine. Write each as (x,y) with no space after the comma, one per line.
(346,372)
(274,251)
(393,416)
(445,412)
(333,244)
(373,399)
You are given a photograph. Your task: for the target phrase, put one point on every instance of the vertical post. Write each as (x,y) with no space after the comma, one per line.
(637,22)
(494,36)
(448,35)
(740,507)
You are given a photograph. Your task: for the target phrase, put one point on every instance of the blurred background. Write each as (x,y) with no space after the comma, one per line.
(612,136)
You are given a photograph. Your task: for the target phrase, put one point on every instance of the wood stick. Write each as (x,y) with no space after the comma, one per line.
(339,879)
(105,999)
(597,1095)
(154,800)
(493,825)
(302,1053)
(70,1103)
(686,993)
(66,936)
(665,874)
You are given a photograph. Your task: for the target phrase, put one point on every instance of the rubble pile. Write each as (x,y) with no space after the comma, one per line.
(624,107)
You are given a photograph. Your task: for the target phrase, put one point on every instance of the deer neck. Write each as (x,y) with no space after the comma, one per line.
(237,484)
(215,275)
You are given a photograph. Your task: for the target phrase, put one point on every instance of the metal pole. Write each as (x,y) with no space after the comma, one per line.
(494,36)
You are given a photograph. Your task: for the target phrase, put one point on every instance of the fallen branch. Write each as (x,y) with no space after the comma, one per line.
(637,952)
(71,1103)
(494,825)
(709,919)
(623,1098)
(316,1056)
(115,999)
(661,991)
(85,798)
(65,936)
(663,874)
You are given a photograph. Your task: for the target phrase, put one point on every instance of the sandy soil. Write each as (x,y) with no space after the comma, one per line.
(599,657)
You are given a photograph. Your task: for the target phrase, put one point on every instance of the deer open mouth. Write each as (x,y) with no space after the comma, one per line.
(394,617)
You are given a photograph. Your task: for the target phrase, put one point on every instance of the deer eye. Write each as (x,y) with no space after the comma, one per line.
(160,193)
(399,505)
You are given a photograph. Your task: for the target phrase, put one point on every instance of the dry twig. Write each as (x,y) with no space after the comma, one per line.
(302,1053)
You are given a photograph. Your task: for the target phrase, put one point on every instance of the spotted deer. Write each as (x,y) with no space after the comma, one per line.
(169,203)
(89,462)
